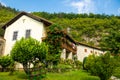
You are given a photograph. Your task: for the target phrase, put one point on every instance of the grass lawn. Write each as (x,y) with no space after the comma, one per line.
(73,75)
(16,76)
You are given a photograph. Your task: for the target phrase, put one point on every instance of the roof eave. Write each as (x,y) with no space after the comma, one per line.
(46,22)
(78,43)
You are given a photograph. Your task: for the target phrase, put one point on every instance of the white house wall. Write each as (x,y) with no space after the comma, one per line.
(85,51)
(21,25)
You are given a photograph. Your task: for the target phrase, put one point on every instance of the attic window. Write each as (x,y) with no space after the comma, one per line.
(28,32)
(15,34)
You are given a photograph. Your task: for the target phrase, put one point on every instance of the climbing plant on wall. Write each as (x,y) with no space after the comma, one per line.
(54,39)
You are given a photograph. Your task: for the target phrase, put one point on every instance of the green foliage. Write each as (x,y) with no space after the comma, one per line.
(63,66)
(86,28)
(54,37)
(111,42)
(5,61)
(1,32)
(75,64)
(84,61)
(18,75)
(6,13)
(71,75)
(69,61)
(28,51)
(60,68)
(117,70)
(78,64)
(72,15)
(102,66)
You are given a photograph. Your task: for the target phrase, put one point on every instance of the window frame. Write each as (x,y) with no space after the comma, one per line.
(27,33)
(85,50)
(15,35)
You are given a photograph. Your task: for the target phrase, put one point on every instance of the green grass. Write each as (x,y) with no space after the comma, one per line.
(16,76)
(73,75)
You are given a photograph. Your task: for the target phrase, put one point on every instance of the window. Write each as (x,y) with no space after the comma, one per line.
(91,51)
(15,34)
(95,52)
(28,33)
(85,50)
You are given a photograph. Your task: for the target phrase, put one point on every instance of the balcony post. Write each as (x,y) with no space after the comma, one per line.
(70,55)
(63,54)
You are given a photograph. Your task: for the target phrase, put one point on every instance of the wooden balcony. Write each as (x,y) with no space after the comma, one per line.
(69,47)
(68,44)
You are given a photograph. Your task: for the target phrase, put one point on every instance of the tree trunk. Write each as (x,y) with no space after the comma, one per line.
(3,69)
(26,69)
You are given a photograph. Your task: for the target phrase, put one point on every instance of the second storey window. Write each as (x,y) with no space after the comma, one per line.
(15,34)
(28,32)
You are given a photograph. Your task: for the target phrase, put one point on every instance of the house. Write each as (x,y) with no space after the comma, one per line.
(24,25)
(69,47)
(84,50)
(27,25)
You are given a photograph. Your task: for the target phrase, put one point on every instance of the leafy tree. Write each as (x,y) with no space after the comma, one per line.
(111,42)
(5,61)
(102,66)
(28,51)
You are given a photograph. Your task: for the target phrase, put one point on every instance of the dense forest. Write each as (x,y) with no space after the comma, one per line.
(85,28)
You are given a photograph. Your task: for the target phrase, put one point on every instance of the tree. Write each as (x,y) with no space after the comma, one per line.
(28,51)
(5,61)
(111,42)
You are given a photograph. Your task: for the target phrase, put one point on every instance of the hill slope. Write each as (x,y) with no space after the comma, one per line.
(85,28)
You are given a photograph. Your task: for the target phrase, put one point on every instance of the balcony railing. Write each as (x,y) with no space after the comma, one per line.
(70,47)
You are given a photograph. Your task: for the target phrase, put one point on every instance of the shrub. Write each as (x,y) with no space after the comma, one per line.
(5,61)
(29,51)
(117,72)
(102,66)
(78,64)
(69,62)
(75,64)
(63,67)
(84,61)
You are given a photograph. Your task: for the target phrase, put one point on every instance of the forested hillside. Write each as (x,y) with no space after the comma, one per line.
(85,28)
(6,13)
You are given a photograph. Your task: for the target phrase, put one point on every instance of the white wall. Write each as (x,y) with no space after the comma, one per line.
(21,25)
(81,54)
